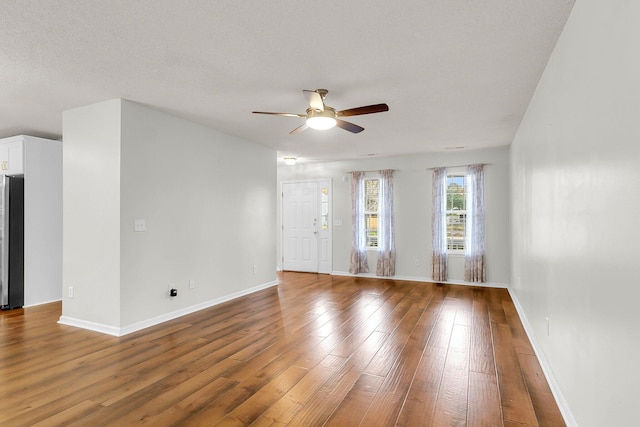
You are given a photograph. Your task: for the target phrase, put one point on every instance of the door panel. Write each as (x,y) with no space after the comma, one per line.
(324,251)
(306,226)
(300,207)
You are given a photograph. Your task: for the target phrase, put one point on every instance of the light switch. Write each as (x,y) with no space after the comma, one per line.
(139,225)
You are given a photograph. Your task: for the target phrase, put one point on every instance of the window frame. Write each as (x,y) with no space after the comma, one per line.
(458,173)
(365,212)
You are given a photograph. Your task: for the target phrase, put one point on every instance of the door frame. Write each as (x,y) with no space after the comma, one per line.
(323,267)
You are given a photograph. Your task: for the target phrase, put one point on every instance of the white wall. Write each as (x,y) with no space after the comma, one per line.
(208,200)
(575,180)
(42,220)
(412,185)
(91,213)
(209,204)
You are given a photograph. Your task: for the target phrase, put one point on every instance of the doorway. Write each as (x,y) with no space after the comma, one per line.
(306,226)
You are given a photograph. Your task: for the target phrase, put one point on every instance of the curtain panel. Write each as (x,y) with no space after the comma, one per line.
(386,265)
(358,262)
(474,257)
(439,225)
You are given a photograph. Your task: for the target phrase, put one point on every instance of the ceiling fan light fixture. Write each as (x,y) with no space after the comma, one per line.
(321,122)
(321,116)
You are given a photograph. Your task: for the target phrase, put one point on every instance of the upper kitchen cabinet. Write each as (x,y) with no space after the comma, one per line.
(12,156)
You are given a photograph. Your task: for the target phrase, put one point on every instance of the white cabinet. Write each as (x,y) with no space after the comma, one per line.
(12,157)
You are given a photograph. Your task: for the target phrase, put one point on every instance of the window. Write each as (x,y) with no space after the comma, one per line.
(324,204)
(371,197)
(456,211)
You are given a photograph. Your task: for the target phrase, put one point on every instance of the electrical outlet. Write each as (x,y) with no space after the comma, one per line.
(70,291)
(139,225)
(192,284)
(417,261)
(255,268)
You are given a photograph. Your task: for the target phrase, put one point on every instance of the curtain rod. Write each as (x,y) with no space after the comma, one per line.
(377,170)
(459,166)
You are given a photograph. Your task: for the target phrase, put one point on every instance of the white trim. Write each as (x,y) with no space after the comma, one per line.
(544,363)
(92,326)
(118,332)
(424,279)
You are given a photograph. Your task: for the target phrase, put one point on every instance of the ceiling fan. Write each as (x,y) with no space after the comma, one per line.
(320,116)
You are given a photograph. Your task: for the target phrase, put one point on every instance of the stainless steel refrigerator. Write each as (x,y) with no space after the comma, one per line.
(11,242)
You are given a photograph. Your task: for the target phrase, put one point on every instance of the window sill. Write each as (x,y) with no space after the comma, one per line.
(456,254)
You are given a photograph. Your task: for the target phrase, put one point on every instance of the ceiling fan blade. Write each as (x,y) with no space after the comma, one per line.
(349,126)
(314,99)
(302,116)
(369,109)
(299,129)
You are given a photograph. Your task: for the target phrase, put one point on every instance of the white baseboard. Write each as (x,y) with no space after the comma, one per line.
(423,279)
(544,364)
(92,326)
(121,331)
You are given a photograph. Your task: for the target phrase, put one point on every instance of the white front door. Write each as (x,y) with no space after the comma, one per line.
(306,235)
(300,221)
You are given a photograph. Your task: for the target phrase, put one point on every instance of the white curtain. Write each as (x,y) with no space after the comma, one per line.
(474,257)
(439,225)
(358,263)
(386,233)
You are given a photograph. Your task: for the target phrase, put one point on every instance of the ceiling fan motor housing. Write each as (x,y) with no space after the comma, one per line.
(322,92)
(328,112)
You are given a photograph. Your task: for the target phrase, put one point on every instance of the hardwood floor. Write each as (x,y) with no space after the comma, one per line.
(316,350)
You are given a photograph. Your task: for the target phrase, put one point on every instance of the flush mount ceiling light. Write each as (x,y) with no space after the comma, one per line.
(321,120)
(289,161)
(321,117)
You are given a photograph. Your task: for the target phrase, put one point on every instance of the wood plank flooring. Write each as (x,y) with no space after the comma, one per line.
(317,350)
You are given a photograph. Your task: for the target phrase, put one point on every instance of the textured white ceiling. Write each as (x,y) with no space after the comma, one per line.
(455,73)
